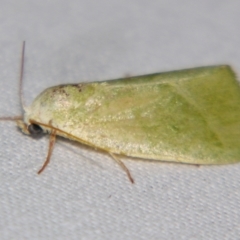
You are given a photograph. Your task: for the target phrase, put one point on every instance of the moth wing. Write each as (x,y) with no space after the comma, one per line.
(190,116)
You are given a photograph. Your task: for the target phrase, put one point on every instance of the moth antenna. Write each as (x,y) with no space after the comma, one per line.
(16,118)
(21,77)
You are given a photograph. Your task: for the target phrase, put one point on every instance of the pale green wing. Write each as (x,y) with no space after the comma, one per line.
(190,116)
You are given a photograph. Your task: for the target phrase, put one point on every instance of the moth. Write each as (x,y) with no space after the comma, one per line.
(187,116)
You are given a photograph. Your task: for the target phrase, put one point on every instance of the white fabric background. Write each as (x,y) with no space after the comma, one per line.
(84,194)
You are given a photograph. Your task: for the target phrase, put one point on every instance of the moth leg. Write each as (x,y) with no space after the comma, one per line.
(122,165)
(52,140)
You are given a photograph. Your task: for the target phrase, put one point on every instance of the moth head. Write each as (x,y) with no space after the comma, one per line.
(32,129)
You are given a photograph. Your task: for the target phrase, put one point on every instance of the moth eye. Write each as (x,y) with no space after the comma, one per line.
(35,129)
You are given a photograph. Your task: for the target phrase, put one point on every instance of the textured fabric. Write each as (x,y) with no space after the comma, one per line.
(84,194)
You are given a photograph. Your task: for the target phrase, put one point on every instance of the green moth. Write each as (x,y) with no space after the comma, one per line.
(188,116)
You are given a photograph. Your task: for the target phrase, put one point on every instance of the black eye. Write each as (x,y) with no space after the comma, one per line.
(35,129)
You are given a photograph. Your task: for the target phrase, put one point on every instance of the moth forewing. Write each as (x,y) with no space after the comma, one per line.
(190,115)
